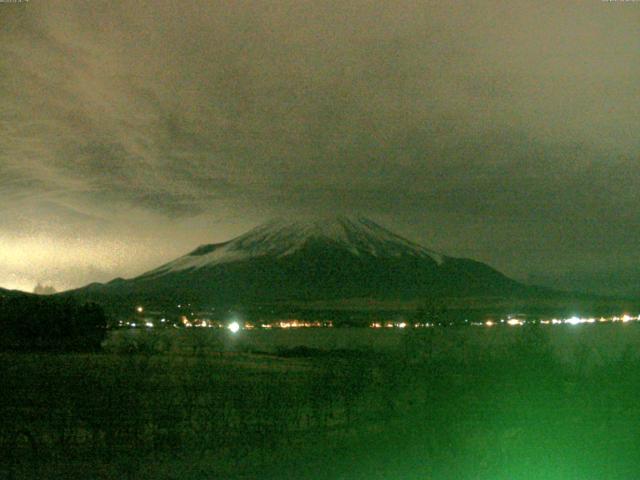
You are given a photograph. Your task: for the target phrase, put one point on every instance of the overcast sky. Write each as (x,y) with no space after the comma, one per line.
(508,132)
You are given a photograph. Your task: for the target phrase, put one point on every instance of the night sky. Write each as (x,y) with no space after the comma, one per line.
(133,131)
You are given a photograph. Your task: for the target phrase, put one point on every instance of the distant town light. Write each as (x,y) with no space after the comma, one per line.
(234,327)
(573,321)
(139,309)
(489,323)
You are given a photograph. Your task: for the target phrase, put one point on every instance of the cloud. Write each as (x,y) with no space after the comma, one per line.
(493,129)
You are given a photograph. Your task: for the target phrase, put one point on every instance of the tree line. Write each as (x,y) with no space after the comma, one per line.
(35,323)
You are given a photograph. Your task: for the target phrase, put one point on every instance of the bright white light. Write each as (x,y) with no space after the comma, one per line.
(514,321)
(402,325)
(489,323)
(149,324)
(626,318)
(139,309)
(573,321)
(234,327)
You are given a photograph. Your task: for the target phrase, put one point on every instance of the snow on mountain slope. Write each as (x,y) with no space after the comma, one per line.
(280,238)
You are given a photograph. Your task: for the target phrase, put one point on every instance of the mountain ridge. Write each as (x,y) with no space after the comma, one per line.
(308,260)
(284,237)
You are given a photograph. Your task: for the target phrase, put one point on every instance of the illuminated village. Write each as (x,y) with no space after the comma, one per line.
(234,322)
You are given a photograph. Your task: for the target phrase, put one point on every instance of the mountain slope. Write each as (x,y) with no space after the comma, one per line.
(4,293)
(281,238)
(288,260)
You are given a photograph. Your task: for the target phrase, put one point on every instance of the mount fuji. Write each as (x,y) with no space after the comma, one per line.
(308,260)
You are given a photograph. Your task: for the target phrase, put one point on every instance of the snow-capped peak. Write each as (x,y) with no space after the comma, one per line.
(282,237)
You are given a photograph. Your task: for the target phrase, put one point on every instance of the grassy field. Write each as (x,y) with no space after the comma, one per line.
(521,403)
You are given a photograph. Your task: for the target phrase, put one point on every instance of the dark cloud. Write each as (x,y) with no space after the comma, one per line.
(506,131)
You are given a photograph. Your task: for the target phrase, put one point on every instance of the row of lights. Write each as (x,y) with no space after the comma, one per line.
(513,322)
(565,321)
(517,322)
(233,326)
(399,325)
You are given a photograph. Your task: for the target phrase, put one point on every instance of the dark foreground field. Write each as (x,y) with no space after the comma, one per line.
(436,407)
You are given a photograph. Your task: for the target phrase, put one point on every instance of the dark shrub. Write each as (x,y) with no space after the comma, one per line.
(48,323)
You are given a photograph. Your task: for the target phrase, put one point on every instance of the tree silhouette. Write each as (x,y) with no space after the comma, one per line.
(49,323)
